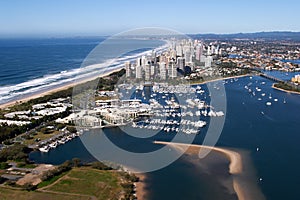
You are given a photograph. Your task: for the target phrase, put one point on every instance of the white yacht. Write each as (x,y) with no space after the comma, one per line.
(44,148)
(53,144)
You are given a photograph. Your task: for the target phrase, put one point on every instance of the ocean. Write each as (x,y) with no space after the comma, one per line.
(29,66)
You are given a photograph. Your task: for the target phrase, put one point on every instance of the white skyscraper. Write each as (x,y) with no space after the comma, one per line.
(138,62)
(202,58)
(208,61)
(208,51)
(172,70)
(162,71)
(138,72)
(153,56)
(179,50)
(152,70)
(147,72)
(213,49)
(127,68)
(173,54)
(144,61)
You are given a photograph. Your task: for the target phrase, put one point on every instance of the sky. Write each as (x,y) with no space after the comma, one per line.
(107,17)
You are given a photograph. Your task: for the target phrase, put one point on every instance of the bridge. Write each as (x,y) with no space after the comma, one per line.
(272,78)
(262,74)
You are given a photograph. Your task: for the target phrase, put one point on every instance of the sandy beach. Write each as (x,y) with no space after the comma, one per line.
(51,91)
(236,168)
(141,192)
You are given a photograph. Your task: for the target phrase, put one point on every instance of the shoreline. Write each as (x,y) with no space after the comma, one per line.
(51,91)
(235,159)
(236,169)
(283,90)
(70,85)
(141,192)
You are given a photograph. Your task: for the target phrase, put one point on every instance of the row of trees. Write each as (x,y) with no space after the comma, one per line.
(17,152)
(108,83)
(10,131)
(287,86)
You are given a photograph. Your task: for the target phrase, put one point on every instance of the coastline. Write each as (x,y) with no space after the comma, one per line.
(51,91)
(141,192)
(70,85)
(240,182)
(283,90)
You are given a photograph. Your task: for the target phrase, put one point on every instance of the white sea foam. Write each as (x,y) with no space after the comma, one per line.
(15,92)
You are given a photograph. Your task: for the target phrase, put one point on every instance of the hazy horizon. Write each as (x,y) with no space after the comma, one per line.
(66,18)
(60,36)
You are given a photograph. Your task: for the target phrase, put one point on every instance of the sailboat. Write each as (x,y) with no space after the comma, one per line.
(270,96)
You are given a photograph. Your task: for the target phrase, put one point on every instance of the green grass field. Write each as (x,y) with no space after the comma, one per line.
(78,184)
(101,184)
(10,194)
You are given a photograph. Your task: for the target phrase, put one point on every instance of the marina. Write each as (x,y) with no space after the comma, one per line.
(52,143)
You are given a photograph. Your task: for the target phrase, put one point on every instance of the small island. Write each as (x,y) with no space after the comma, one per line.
(289,86)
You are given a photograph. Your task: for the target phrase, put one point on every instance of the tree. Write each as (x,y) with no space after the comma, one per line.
(4,165)
(100,165)
(76,162)
(72,129)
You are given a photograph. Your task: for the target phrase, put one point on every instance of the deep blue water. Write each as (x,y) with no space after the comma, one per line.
(249,124)
(292,61)
(32,66)
(24,59)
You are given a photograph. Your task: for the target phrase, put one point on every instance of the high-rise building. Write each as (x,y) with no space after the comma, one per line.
(144,61)
(173,54)
(152,71)
(217,49)
(180,63)
(162,71)
(172,70)
(147,72)
(208,61)
(188,57)
(208,51)
(202,58)
(138,61)
(199,52)
(127,68)
(179,50)
(186,48)
(138,72)
(153,57)
(213,49)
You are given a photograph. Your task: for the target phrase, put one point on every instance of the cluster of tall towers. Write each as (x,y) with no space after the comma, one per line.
(166,65)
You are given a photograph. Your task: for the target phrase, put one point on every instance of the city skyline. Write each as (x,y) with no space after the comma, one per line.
(94,18)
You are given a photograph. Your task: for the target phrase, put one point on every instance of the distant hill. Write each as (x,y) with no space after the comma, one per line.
(276,35)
